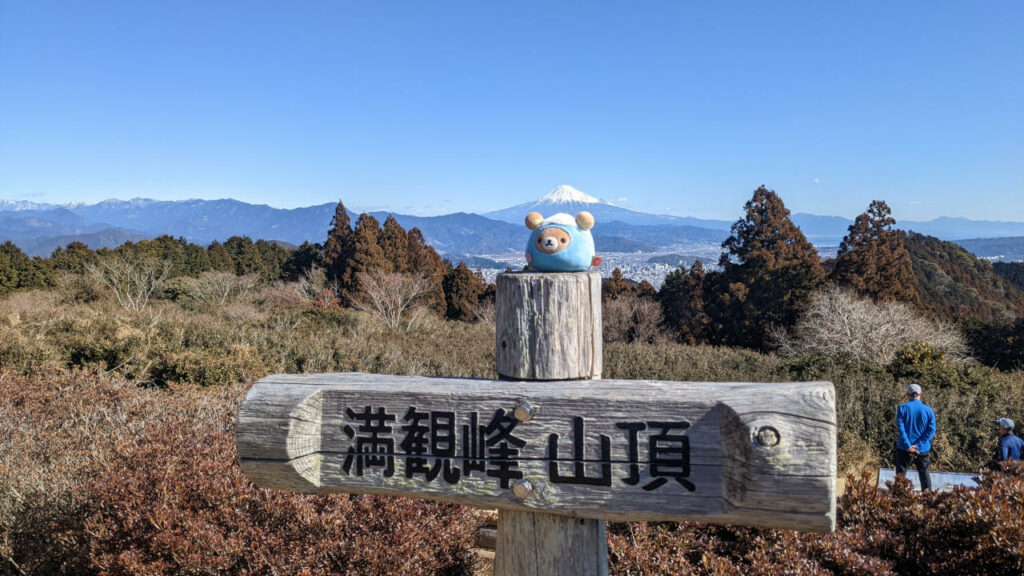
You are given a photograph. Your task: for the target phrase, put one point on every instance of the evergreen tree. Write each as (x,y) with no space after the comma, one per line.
(272,259)
(244,254)
(615,287)
(423,260)
(394,243)
(13,262)
(645,290)
(339,247)
(37,275)
(682,303)
(367,256)
(872,259)
(73,259)
(196,259)
(301,260)
(164,248)
(618,286)
(220,258)
(769,271)
(462,292)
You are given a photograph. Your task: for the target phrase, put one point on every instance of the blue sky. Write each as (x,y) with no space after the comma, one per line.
(435,107)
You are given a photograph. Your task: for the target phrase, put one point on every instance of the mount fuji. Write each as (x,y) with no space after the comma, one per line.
(567,199)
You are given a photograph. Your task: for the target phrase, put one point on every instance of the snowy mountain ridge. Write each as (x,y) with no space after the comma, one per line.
(566,194)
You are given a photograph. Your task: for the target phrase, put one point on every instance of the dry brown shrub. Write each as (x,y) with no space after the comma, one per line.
(393,298)
(27,306)
(632,319)
(880,532)
(100,476)
(78,288)
(838,322)
(219,288)
(286,295)
(241,312)
(484,312)
(190,510)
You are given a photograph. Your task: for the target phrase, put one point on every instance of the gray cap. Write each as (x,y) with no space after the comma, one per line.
(914,388)
(1005,423)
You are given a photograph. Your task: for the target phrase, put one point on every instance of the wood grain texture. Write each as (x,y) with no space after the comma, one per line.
(548,325)
(291,435)
(540,544)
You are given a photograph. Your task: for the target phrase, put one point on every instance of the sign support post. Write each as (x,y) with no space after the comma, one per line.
(548,327)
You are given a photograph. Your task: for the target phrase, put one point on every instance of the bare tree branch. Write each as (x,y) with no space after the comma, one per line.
(220,287)
(840,322)
(132,280)
(391,297)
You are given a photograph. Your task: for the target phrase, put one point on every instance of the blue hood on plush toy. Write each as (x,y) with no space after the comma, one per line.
(560,243)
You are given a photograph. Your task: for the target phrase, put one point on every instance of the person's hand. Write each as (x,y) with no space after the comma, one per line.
(913,449)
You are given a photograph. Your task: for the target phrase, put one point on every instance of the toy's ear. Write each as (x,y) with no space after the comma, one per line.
(533,219)
(585,220)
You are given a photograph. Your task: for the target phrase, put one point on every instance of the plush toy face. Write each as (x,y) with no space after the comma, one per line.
(560,243)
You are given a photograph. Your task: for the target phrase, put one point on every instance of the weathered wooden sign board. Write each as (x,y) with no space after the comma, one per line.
(739,453)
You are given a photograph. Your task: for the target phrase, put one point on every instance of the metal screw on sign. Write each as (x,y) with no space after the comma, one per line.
(522,489)
(525,412)
(768,436)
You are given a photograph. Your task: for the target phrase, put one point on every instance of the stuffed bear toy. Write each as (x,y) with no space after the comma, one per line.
(560,243)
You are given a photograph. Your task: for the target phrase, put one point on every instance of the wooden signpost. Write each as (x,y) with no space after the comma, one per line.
(556,457)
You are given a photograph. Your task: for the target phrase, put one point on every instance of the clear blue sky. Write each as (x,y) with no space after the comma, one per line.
(434,107)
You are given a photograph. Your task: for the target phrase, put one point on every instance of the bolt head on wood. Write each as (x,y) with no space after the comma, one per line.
(522,489)
(525,411)
(768,437)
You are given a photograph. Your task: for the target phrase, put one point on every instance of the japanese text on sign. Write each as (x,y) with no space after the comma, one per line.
(441,444)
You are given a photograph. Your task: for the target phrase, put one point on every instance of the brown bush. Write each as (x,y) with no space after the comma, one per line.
(99,476)
(283,295)
(189,510)
(629,318)
(881,532)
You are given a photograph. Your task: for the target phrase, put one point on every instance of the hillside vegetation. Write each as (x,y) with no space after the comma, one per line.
(956,285)
(109,477)
(121,371)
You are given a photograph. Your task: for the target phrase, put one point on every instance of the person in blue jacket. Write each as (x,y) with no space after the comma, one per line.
(915,423)
(1010,445)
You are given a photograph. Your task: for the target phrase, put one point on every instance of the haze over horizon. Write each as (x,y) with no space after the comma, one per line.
(456,106)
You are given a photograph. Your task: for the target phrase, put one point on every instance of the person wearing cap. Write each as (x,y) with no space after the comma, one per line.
(915,424)
(1010,445)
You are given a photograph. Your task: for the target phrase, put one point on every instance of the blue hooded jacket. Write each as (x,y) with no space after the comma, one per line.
(916,425)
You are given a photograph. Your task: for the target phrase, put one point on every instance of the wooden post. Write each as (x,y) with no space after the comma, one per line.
(536,543)
(548,327)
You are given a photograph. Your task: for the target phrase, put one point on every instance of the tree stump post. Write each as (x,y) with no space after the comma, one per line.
(548,327)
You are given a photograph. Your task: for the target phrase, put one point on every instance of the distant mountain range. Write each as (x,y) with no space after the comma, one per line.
(39,228)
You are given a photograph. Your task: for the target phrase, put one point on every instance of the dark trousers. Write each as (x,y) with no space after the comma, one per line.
(903,459)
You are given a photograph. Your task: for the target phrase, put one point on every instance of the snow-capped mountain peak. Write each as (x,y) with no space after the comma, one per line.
(566,194)
(22,205)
